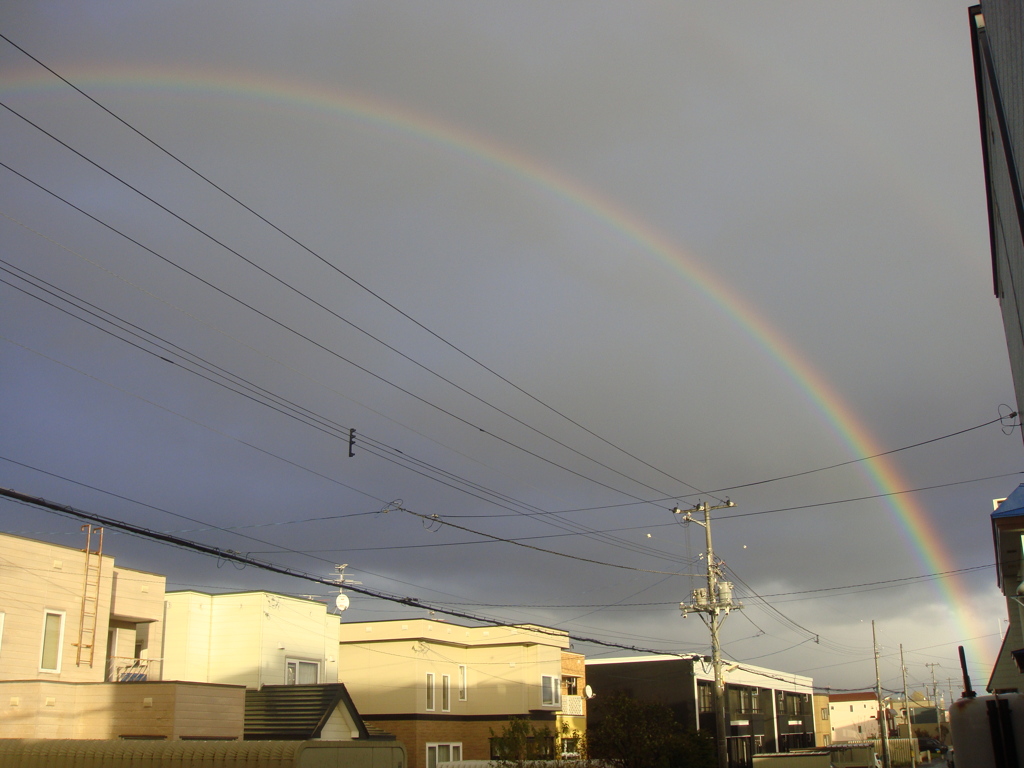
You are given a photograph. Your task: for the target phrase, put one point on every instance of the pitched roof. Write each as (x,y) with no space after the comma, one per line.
(300,712)
(1012,506)
(858,696)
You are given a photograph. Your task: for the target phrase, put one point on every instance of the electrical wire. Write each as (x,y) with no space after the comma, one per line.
(232,556)
(254,392)
(341,272)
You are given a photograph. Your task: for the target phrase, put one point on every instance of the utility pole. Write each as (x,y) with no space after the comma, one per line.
(906,708)
(715,601)
(883,725)
(935,699)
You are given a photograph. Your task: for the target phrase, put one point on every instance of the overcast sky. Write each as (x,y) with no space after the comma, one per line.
(592,260)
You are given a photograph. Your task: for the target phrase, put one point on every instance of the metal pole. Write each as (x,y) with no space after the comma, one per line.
(883,729)
(906,708)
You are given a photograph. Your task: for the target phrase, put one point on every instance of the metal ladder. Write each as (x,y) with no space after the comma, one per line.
(90,597)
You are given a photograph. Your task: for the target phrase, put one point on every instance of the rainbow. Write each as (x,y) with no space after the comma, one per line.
(916,528)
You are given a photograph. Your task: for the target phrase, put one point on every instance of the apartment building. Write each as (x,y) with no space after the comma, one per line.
(444,689)
(81,651)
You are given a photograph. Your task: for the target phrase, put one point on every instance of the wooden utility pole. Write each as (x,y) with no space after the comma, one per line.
(715,601)
(906,708)
(883,725)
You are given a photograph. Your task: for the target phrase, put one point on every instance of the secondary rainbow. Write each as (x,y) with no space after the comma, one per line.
(914,524)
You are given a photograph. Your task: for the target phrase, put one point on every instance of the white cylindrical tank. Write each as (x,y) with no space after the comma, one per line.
(988,731)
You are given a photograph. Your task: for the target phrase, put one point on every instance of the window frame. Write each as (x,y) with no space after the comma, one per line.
(436,745)
(62,618)
(572,685)
(430,701)
(446,693)
(555,686)
(289,661)
(463,682)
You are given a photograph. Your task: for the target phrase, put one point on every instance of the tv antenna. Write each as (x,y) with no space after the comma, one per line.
(342,602)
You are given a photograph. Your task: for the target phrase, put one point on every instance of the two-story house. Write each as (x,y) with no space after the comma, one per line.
(854,716)
(249,638)
(444,689)
(81,651)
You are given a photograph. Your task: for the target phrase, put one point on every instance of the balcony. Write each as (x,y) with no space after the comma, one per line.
(124,669)
(572,705)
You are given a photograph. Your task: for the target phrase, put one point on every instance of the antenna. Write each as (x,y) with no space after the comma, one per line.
(342,602)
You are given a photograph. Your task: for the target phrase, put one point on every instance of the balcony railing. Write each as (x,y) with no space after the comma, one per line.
(124,669)
(572,705)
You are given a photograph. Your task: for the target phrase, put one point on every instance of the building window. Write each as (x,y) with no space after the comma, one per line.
(572,686)
(705,696)
(430,691)
(463,683)
(446,693)
(443,753)
(824,713)
(53,641)
(851,707)
(298,672)
(550,695)
(570,748)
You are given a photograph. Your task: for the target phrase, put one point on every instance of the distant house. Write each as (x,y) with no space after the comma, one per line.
(249,638)
(822,720)
(445,689)
(81,647)
(854,716)
(767,710)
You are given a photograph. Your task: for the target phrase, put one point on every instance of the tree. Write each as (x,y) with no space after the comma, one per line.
(635,734)
(520,741)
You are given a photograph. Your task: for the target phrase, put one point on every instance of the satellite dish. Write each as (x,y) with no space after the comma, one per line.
(341,602)
(588,692)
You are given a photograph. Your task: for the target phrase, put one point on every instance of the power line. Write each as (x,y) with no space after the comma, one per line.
(237,557)
(254,392)
(351,324)
(348,276)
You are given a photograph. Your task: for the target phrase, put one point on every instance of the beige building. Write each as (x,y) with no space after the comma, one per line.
(854,716)
(70,615)
(445,689)
(249,638)
(81,651)
(822,720)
